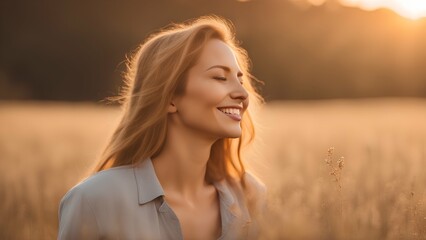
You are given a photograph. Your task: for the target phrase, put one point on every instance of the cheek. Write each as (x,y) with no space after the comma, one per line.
(200,106)
(207,96)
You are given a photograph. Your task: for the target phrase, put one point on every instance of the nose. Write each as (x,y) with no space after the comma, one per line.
(238,91)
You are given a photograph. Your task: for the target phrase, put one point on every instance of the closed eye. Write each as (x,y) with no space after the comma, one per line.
(224,79)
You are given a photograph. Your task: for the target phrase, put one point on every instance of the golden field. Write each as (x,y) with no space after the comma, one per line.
(45,148)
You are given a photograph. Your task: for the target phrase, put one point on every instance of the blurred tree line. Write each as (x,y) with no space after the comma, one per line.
(74,50)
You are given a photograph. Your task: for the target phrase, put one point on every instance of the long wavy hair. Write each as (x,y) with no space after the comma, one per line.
(155,73)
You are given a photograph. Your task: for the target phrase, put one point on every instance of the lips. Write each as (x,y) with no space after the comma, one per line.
(229,110)
(232,112)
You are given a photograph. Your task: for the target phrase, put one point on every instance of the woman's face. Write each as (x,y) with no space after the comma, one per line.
(214,99)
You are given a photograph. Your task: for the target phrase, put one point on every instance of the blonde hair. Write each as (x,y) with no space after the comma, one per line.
(156,71)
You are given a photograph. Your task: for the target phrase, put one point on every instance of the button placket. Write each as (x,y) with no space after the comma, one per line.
(168,211)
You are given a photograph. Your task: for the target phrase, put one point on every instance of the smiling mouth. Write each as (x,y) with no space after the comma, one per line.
(233,113)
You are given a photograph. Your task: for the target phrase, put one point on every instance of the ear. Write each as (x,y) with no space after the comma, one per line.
(172,107)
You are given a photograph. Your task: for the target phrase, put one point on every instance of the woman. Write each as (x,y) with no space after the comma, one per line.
(172,169)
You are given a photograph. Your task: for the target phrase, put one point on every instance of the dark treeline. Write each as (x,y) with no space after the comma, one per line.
(74,50)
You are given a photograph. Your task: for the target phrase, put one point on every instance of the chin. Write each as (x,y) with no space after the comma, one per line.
(233,134)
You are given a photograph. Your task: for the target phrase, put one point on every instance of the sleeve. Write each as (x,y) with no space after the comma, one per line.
(77,219)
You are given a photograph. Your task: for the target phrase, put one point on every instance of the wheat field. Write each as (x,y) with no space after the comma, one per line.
(370,185)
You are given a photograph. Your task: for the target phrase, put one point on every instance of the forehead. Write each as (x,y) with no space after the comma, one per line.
(217,52)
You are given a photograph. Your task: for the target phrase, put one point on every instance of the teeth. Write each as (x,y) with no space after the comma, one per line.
(234,111)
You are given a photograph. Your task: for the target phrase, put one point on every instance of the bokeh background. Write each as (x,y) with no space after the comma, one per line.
(347,74)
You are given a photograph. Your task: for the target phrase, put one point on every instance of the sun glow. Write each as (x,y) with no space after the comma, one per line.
(413,9)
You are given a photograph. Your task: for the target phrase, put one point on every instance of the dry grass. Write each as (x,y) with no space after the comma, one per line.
(384,146)
(378,194)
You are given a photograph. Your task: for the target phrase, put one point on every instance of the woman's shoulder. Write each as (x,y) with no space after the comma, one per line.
(102,183)
(83,208)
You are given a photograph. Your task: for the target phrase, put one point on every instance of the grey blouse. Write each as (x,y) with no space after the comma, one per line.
(127,202)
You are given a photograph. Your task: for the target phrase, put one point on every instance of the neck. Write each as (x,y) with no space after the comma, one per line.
(181,166)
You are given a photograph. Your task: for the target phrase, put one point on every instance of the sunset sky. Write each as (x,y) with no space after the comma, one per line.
(413,9)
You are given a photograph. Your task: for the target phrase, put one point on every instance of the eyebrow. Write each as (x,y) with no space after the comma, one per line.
(227,69)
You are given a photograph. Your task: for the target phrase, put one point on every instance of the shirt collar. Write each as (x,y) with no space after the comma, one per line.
(225,194)
(149,187)
(228,197)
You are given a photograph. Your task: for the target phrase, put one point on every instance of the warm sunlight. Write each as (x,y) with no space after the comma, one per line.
(413,9)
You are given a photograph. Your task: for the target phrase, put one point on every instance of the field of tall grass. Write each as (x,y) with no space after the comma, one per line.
(338,169)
